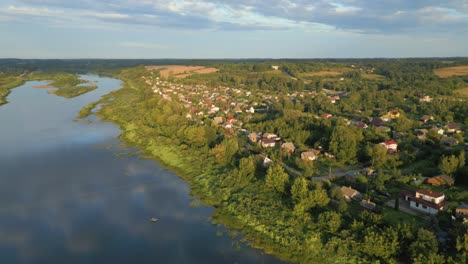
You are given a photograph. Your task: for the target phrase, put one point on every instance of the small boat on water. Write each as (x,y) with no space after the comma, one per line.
(154,219)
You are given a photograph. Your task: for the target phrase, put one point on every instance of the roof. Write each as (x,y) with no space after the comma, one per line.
(367,204)
(288,145)
(348,191)
(390,142)
(453,126)
(463,206)
(441,179)
(430,193)
(268,141)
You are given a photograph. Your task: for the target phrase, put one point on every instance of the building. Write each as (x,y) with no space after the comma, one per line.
(253,137)
(367,204)
(440,180)
(462,212)
(350,194)
(426,201)
(288,146)
(310,155)
(268,143)
(390,145)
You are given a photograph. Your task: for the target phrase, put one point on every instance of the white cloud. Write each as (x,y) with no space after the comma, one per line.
(30,11)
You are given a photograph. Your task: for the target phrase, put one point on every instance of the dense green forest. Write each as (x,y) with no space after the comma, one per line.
(284,208)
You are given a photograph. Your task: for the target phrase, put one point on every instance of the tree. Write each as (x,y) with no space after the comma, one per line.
(225,151)
(299,189)
(424,244)
(449,165)
(276,178)
(329,221)
(344,143)
(247,168)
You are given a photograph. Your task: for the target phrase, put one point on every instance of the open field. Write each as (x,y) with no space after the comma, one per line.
(180,71)
(328,72)
(462,92)
(451,71)
(372,76)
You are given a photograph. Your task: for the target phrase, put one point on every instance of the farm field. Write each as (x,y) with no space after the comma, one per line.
(180,71)
(451,71)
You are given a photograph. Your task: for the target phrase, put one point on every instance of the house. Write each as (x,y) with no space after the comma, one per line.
(393,114)
(425,118)
(361,124)
(270,135)
(218,120)
(462,212)
(440,180)
(350,194)
(426,201)
(385,118)
(421,133)
(250,110)
(288,146)
(453,128)
(367,204)
(266,162)
(425,99)
(449,141)
(253,137)
(268,143)
(390,145)
(377,122)
(310,155)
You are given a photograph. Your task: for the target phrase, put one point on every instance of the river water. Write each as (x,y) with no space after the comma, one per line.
(70,193)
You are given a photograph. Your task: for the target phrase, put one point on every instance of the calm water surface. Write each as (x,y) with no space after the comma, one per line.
(69,194)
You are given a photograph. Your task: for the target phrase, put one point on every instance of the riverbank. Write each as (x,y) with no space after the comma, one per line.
(163,133)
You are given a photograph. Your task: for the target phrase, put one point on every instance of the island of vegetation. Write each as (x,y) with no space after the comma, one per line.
(62,84)
(340,161)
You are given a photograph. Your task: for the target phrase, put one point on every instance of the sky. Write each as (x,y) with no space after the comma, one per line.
(233,28)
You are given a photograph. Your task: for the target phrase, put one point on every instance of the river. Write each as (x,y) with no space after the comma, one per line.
(70,193)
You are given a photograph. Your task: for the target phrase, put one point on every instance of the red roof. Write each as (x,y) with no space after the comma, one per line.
(390,142)
(430,193)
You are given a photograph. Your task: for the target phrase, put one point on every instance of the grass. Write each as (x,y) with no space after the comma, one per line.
(461,92)
(329,72)
(451,71)
(394,217)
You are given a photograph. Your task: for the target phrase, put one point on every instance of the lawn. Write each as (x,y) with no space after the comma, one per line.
(395,217)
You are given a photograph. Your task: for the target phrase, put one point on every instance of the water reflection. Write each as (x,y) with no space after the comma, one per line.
(66,196)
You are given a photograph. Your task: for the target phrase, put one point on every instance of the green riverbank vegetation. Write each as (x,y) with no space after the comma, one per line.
(9,81)
(292,206)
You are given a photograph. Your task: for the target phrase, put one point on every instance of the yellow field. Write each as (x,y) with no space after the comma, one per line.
(328,72)
(372,76)
(451,71)
(180,71)
(462,92)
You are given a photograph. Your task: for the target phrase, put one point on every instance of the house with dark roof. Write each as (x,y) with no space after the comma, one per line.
(268,143)
(367,204)
(426,201)
(462,212)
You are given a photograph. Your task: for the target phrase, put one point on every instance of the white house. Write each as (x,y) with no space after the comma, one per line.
(390,145)
(426,201)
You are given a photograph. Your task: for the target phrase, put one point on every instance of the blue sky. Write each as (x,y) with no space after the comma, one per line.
(233,28)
